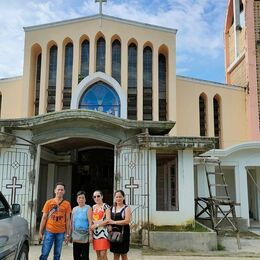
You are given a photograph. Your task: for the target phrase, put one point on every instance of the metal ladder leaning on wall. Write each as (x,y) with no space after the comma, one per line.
(220,208)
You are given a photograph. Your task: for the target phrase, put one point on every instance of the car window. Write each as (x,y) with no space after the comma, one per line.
(4,211)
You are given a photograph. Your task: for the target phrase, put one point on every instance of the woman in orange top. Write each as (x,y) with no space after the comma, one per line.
(100,218)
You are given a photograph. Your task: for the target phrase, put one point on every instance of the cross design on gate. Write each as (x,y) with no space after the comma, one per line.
(100,4)
(132,186)
(13,186)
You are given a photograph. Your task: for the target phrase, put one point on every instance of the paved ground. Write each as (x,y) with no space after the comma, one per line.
(250,250)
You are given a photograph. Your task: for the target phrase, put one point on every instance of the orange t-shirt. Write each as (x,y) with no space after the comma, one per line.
(56,223)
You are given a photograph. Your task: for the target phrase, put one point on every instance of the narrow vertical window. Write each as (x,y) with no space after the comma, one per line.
(37,84)
(101,55)
(67,75)
(162,87)
(216,109)
(166,182)
(132,82)
(116,60)
(52,79)
(202,111)
(84,68)
(147,83)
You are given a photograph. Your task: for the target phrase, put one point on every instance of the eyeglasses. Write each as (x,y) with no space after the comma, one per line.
(97,196)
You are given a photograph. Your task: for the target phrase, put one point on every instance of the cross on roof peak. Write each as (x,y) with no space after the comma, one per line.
(100,4)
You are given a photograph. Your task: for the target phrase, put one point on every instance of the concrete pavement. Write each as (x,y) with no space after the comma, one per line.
(250,250)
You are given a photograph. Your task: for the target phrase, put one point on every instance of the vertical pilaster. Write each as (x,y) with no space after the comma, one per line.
(44,80)
(76,62)
(171,87)
(210,117)
(108,65)
(124,66)
(92,55)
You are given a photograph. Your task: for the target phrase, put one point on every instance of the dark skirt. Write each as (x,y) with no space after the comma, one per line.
(122,248)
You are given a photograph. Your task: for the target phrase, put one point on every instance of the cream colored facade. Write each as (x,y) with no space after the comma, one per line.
(38,39)
(63,144)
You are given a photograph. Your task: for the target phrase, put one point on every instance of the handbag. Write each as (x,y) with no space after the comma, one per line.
(80,235)
(115,236)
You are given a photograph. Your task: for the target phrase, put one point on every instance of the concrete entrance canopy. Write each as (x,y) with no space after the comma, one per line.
(84,123)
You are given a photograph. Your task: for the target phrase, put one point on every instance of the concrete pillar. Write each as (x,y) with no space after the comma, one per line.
(186,183)
(243,198)
(76,63)
(108,56)
(92,55)
(171,87)
(124,65)
(44,80)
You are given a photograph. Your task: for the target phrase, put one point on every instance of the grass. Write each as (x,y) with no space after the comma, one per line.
(188,228)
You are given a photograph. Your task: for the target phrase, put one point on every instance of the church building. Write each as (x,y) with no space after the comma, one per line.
(99,106)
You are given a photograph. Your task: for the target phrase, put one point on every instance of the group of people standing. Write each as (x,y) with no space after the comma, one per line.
(84,224)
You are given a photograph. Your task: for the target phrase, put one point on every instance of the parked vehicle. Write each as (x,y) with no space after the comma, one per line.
(14,233)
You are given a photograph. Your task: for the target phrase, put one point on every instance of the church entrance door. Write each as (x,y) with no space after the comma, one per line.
(94,171)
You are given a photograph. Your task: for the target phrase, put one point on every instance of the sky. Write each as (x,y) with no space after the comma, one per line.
(199,24)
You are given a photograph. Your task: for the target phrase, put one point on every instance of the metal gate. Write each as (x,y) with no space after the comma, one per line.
(17,174)
(132,176)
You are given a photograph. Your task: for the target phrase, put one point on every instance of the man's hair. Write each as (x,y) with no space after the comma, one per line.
(59,183)
(81,192)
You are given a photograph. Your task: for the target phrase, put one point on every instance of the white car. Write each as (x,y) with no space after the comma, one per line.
(14,233)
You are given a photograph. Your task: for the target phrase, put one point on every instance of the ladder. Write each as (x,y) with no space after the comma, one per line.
(218,206)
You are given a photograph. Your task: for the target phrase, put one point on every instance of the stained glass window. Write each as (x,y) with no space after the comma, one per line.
(132,82)
(84,69)
(52,79)
(147,83)
(162,87)
(116,60)
(101,97)
(101,55)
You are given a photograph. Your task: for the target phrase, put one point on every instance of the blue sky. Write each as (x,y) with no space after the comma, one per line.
(200,24)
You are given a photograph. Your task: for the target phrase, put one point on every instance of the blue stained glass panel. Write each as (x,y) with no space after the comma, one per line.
(101,97)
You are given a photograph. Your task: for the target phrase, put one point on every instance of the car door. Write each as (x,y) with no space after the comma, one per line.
(8,241)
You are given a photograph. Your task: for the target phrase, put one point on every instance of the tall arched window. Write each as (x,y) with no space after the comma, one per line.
(132,82)
(101,97)
(162,87)
(37,84)
(84,68)
(202,111)
(68,64)
(147,83)
(101,55)
(52,79)
(216,110)
(116,60)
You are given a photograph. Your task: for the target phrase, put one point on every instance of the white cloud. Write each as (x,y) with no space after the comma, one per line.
(199,23)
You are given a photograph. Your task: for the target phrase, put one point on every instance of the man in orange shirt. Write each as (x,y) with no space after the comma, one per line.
(55,223)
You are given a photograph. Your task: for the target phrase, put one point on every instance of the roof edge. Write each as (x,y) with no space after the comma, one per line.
(102,16)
